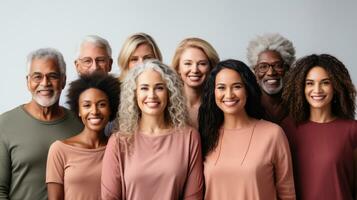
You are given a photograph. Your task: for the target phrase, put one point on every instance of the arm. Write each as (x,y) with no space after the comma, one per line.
(55,191)
(284,179)
(5,170)
(55,173)
(111,171)
(194,183)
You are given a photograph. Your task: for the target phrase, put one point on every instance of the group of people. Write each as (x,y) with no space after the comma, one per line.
(200,128)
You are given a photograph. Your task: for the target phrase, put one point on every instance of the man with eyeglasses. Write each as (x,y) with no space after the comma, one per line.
(27,131)
(270,57)
(94,54)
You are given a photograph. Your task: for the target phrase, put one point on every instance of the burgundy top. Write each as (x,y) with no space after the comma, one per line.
(323,158)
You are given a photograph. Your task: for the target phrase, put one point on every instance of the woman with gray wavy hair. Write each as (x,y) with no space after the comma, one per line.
(154,154)
(270,57)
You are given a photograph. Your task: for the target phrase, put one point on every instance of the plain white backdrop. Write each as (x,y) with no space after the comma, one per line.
(314,26)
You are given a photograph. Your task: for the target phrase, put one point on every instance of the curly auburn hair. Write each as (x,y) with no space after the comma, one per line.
(101,81)
(175,112)
(211,117)
(343,103)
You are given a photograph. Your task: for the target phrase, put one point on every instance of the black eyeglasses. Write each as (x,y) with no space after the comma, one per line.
(38,77)
(264,67)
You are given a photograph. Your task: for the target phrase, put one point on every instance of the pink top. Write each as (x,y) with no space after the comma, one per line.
(165,167)
(78,169)
(249,164)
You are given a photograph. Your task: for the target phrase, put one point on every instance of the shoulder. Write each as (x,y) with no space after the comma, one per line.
(189,131)
(270,130)
(57,149)
(11,114)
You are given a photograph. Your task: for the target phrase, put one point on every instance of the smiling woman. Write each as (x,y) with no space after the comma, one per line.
(245,157)
(74,164)
(155,155)
(322,131)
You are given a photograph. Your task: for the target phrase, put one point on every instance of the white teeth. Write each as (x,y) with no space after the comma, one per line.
(95,120)
(229,103)
(194,78)
(317,97)
(45,92)
(152,104)
(272,81)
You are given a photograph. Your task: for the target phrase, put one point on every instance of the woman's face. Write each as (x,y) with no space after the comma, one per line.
(230,92)
(151,93)
(141,53)
(193,67)
(318,88)
(94,109)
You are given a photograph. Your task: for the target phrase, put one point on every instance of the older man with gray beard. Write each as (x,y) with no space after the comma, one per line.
(270,57)
(27,131)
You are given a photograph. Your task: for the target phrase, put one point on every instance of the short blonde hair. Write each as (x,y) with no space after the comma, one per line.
(175,113)
(130,45)
(198,43)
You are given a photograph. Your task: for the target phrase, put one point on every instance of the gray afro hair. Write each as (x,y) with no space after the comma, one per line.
(270,41)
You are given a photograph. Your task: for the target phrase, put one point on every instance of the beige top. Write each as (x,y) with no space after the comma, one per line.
(251,163)
(165,167)
(78,169)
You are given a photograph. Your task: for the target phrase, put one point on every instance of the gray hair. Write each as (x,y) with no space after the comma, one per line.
(175,112)
(97,41)
(270,41)
(47,53)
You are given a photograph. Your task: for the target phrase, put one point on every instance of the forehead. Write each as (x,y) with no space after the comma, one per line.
(269,56)
(228,76)
(44,66)
(193,52)
(90,49)
(143,48)
(149,77)
(317,73)
(92,94)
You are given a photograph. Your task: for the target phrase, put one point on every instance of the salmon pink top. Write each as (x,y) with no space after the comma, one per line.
(77,169)
(165,167)
(250,164)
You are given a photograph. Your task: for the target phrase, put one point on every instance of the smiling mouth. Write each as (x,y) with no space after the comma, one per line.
(195,78)
(95,121)
(230,102)
(45,92)
(152,104)
(318,98)
(272,81)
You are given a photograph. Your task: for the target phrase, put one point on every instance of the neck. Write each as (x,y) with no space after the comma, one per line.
(193,96)
(93,139)
(321,115)
(153,125)
(271,99)
(39,112)
(237,121)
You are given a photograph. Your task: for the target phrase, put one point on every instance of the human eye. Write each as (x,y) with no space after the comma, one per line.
(103,104)
(133,59)
(326,82)
(149,57)
(187,63)
(144,88)
(203,63)
(53,76)
(37,77)
(237,86)
(220,87)
(160,87)
(309,83)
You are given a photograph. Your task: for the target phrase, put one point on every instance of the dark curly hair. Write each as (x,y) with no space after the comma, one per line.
(343,103)
(106,83)
(210,116)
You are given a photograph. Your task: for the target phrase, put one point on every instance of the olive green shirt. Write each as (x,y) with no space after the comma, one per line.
(24,143)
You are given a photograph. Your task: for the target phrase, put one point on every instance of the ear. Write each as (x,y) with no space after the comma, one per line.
(77,65)
(110,64)
(64,79)
(28,82)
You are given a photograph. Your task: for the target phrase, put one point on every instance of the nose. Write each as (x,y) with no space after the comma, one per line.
(152,93)
(228,93)
(317,88)
(45,81)
(271,71)
(94,109)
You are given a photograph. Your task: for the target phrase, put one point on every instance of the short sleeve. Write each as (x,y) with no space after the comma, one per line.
(5,169)
(194,183)
(55,164)
(284,179)
(111,186)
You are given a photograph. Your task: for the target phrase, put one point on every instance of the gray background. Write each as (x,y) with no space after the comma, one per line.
(314,26)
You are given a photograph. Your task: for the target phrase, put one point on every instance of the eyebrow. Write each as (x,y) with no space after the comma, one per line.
(156,84)
(325,79)
(235,83)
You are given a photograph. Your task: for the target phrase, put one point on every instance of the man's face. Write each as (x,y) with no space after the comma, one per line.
(93,59)
(45,82)
(269,71)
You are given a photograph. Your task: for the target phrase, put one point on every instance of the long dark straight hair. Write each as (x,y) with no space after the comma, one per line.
(210,116)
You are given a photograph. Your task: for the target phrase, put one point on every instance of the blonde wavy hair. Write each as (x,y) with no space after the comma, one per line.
(198,43)
(175,112)
(130,45)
